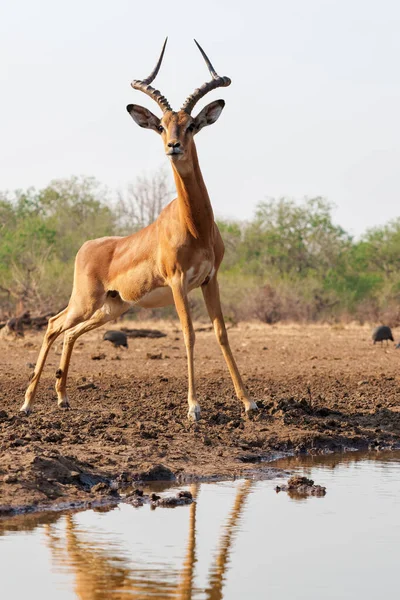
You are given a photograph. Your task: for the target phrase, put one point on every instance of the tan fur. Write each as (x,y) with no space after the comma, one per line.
(156,266)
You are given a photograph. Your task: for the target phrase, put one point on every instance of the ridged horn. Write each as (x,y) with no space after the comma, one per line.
(144,84)
(216,82)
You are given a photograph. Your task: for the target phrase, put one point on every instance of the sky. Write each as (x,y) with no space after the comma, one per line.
(313,108)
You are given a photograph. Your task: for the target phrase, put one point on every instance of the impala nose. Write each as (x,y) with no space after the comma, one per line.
(174,144)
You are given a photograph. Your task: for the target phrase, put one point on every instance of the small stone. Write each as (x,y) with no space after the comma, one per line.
(151,356)
(156,473)
(5,509)
(184,494)
(10,478)
(101,488)
(297,480)
(18,442)
(98,356)
(87,386)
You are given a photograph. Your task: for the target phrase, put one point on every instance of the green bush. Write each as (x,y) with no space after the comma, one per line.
(290,262)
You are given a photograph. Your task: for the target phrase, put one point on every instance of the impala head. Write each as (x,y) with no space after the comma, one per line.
(177,129)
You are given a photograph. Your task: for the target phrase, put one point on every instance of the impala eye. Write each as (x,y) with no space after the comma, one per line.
(160,128)
(191,127)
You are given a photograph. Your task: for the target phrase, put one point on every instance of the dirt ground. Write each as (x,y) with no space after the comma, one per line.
(319,388)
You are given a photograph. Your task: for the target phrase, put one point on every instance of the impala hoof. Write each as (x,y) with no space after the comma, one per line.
(64,403)
(25,409)
(194,413)
(250,407)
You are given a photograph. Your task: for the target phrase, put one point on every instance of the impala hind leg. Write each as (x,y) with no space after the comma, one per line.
(183,310)
(213,304)
(110,311)
(55,326)
(76,312)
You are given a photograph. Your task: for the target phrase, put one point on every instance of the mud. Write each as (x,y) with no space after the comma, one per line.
(298,486)
(319,389)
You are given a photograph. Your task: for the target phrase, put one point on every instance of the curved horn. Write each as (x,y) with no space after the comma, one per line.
(144,84)
(216,82)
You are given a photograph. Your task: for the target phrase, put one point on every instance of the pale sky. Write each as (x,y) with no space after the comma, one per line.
(313,108)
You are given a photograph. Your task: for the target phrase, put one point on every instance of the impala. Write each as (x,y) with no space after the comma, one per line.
(160,264)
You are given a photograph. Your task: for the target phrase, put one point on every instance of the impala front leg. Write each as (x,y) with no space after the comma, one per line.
(182,307)
(213,303)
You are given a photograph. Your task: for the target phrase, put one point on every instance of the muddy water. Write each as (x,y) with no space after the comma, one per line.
(239,540)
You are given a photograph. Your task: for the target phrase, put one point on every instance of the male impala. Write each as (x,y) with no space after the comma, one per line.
(160,264)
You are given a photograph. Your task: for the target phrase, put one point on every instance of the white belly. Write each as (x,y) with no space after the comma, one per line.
(161,296)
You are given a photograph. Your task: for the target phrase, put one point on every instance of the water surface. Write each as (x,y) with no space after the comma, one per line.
(239,540)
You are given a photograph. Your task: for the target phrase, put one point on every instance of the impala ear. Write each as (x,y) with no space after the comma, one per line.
(143,117)
(209,114)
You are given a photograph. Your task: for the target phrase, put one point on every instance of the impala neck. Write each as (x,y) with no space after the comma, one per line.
(195,210)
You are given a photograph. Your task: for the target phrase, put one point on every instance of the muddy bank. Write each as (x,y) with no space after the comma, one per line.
(319,389)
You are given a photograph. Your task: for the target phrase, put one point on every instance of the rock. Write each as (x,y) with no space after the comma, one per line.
(5,509)
(98,356)
(250,458)
(101,488)
(135,500)
(88,386)
(184,494)
(124,477)
(157,356)
(18,442)
(180,499)
(53,437)
(298,486)
(297,480)
(11,478)
(156,473)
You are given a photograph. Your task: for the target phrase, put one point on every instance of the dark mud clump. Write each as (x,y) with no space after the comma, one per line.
(138,498)
(301,486)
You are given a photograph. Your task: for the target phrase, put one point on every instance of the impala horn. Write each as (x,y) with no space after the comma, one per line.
(216,82)
(144,84)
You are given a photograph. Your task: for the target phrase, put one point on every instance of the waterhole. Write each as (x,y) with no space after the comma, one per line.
(238,540)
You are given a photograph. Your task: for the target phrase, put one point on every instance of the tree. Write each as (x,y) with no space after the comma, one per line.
(143,201)
(294,238)
(41,232)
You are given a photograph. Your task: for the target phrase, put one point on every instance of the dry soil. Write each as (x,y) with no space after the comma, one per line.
(319,389)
